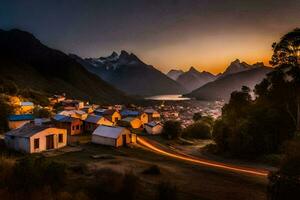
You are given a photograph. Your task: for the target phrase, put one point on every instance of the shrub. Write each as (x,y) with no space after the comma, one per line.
(172,129)
(198,130)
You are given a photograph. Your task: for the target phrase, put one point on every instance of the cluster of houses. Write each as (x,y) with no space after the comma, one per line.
(111,125)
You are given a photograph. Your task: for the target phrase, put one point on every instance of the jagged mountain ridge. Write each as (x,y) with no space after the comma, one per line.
(131,75)
(30,64)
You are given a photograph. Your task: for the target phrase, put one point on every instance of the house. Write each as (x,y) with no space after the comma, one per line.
(16,121)
(153,128)
(32,138)
(80,114)
(74,126)
(110,114)
(57,99)
(132,122)
(153,115)
(132,113)
(112,136)
(70,103)
(26,107)
(93,121)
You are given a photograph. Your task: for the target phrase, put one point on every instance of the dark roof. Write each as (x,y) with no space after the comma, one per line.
(129,113)
(93,119)
(152,124)
(63,118)
(20,117)
(27,130)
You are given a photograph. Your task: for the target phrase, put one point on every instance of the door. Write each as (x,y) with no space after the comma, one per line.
(124,140)
(50,142)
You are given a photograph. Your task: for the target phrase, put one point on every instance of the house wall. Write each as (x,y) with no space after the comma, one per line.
(154,130)
(26,144)
(17,124)
(115,116)
(136,123)
(42,138)
(26,109)
(144,118)
(103,140)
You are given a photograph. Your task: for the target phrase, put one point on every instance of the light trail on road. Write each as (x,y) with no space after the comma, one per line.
(204,162)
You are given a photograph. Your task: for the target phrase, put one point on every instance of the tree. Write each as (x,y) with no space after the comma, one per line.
(286,56)
(285,183)
(5,110)
(198,130)
(172,129)
(41,112)
(197,116)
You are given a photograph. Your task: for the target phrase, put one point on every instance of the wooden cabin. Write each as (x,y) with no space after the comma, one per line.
(32,138)
(93,121)
(153,128)
(74,126)
(111,136)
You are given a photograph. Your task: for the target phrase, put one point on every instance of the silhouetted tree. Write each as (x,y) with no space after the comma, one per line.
(172,129)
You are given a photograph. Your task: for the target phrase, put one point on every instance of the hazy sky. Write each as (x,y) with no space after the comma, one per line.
(207,34)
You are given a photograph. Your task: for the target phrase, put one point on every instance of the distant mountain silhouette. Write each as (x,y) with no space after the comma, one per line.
(174,74)
(30,64)
(131,75)
(235,76)
(193,79)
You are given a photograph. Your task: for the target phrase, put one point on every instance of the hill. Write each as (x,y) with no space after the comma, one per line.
(29,64)
(193,79)
(131,75)
(221,88)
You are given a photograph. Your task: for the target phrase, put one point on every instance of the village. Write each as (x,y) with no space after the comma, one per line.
(113,125)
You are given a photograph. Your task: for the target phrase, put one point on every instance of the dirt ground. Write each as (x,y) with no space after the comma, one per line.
(193,181)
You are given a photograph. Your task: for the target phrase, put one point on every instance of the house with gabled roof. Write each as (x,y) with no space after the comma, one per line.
(16,121)
(111,136)
(153,128)
(130,122)
(32,138)
(74,126)
(93,121)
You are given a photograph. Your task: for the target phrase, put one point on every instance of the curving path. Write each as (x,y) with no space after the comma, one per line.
(181,156)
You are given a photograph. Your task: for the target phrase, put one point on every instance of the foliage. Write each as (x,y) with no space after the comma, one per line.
(286,181)
(5,110)
(197,116)
(250,127)
(41,112)
(172,129)
(198,130)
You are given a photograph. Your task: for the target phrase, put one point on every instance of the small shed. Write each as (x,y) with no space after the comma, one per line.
(16,121)
(153,128)
(111,136)
(32,138)
(73,125)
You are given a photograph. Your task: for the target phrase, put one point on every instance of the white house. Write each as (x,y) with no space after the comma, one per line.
(111,136)
(153,128)
(32,138)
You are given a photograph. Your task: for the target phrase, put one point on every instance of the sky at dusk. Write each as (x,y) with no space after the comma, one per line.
(206,34)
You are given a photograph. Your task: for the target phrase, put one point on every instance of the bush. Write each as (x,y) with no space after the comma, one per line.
(41,112)
(172,129)
(286,181)
(198,130)
(166,191)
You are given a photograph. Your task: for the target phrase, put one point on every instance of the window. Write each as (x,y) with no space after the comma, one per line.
(77,127)
(36,143)
(60,138)
(73,128)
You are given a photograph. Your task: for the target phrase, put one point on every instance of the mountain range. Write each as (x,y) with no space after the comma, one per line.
(222,87)
(128,73)
(25,61)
